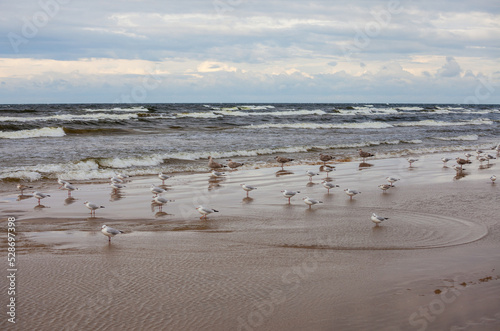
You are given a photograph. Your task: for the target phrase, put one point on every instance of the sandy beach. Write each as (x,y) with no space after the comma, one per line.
(261,263)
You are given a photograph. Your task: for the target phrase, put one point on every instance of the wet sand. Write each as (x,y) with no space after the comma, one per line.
(260,263)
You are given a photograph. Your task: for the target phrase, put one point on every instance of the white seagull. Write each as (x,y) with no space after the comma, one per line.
(378,219)
(116,186)
(289,194)
(40,196)
(161,201)
(328,169)
(248,188)
(93,207)
(156,190)
(411,160)
(392,180)
(62,182)
(311,201)
(445,160)
(493,178)
(311,174)
(163,177)
(69,188)
(216,173)
(328,185)
(205,211)
(115,179)
(110,232)
(351,193)
(22,187)
(121,176)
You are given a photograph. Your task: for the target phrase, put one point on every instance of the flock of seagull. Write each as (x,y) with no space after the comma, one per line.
(117,183)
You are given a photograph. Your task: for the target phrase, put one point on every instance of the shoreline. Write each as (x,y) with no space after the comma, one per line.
(260,263)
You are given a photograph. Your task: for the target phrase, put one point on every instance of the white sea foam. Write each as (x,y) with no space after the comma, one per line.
(363,125)
(34,133)
(129,162)
(69,118)
(118,109)
(236,112)
(470,137)
(443,123)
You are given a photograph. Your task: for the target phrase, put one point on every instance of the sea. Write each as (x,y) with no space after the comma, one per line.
(96,141)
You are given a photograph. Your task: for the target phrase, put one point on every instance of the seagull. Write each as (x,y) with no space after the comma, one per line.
(282,160)
(214,165)
(110,232)
(93,207)
(392,180)
(351,193)
(22,187)
(490,157)
(116,186)
(479,152)
(493,178)
(216,173)
(483,159)
(461,162)
(62,182)
(121,176)
(364,155)
(163,177)
(289,194)
(233,165)
(445,160)
(205,211)
(325,158)
(468,156)
(378,219)
(384,187)
(411,160)
(69,188)
(161,201)
(311,201)
(328,169)
(328,185)
(311,174)
(156,190)
(248,188)
(115,179)
(40,196)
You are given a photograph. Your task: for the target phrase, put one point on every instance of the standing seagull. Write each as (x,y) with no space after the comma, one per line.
(116,186)
(69,188)
(109,232)
(411,160)
(328,185)
(364,155)
(328,169)
(93,207)
(115,179)
(325,158)
(282,160)
(351,193)
(233,164)
(311,174)
(40,196)
(461,162)
(161,201)
(289,194)
(445,160)
(392,180)
(22,187)
(205,211)
(378,219)
(62,182)
(311,201)
(156,190)
(214,165)
(384,187)
(248,188)
(493,178)
(163,177)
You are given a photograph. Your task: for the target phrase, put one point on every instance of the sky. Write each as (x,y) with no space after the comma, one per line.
(245,51)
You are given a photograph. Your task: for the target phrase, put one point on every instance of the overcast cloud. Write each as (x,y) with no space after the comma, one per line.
(250,51)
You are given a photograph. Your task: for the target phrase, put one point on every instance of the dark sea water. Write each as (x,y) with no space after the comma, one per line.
(92,141)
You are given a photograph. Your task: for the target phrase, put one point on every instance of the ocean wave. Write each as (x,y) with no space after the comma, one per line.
(363,125)
(235,112)
(443,123)
(470,137)
(35,133)
(70,118)
(118,109)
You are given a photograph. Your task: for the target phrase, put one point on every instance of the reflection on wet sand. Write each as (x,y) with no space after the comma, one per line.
(364,165)
(283,173)
(247,200)
(70,200)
